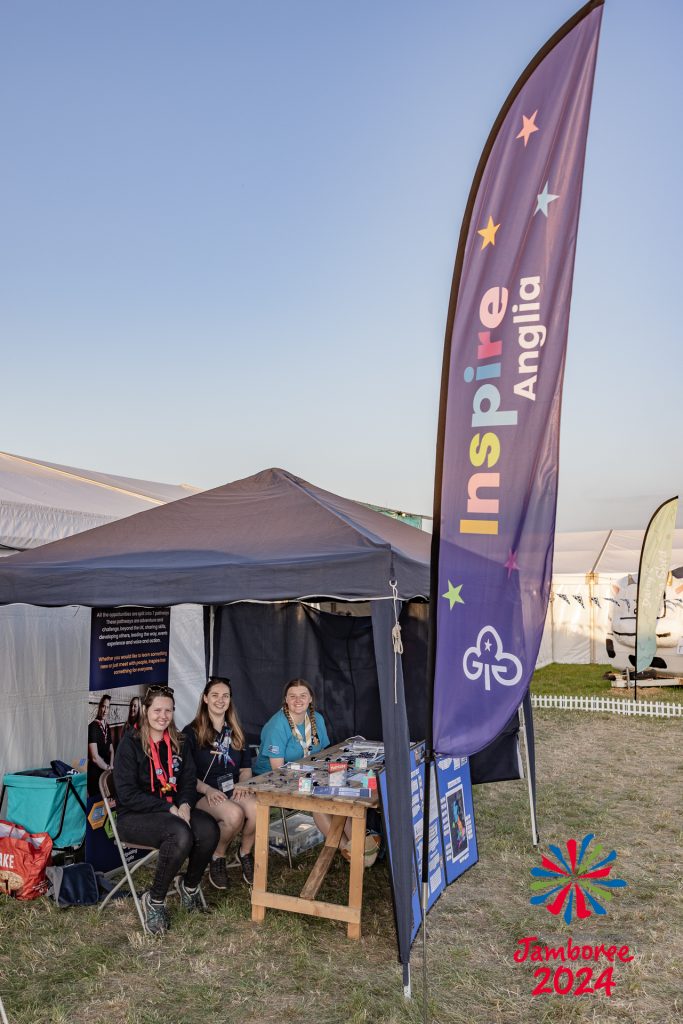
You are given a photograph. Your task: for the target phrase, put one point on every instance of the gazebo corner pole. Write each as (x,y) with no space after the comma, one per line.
(212,623)
(429,758)
(429,730)
(527,764)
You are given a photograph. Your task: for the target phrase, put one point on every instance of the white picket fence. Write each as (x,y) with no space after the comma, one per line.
(619,706)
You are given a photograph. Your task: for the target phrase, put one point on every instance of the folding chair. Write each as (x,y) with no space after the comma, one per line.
(109,798)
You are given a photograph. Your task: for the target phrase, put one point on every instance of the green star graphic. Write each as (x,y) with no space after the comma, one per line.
(453,595)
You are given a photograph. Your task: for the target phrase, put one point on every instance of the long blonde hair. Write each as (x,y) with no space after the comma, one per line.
(143,726)
(204,728)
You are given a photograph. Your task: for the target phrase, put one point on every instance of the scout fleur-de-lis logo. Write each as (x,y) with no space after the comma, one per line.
(575,882)
(488,660)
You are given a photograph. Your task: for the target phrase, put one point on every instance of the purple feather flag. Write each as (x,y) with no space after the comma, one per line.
(497,459)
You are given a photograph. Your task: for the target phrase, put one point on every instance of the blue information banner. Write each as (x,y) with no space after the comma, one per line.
(436,875)
(129,646)
(457,815)
(128,652)
(452,836)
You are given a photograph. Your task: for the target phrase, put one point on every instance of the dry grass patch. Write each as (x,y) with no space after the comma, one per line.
(619,778)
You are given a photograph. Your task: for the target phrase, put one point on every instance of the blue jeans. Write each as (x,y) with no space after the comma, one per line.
(176,841)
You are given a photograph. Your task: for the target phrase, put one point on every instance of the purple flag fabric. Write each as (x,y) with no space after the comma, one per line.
(497,463)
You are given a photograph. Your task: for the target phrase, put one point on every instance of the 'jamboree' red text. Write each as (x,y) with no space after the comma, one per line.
(564,978)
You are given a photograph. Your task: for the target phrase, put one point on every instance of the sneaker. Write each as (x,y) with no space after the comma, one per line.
(155,914)
(247,862)
(218,873)
(189,900)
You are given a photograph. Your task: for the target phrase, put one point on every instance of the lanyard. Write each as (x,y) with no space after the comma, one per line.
(157,772)
(222,746)
(221,750)
(104,727)
(307,742)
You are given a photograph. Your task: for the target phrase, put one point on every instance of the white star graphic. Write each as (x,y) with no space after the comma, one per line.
(543,201)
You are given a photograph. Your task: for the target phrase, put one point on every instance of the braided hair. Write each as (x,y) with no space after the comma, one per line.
(310,712)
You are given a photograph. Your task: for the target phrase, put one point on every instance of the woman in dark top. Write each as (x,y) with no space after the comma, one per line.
(156,792)
(100,747)
(223,761)
(133,721)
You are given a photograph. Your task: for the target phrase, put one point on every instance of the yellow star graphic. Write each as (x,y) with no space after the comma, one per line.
(488,233)
(453,595)
(528,127)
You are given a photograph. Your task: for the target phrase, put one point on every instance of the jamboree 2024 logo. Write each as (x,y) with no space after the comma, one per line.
(573,885)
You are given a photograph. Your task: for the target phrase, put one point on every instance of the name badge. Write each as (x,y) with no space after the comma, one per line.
(226,784)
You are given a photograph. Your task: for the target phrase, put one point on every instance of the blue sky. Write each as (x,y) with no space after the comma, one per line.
(228,234)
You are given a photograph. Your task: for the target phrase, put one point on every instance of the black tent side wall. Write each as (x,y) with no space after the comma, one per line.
(259,647)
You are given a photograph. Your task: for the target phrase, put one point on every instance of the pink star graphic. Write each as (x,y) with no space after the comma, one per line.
(511,563)
(528,127)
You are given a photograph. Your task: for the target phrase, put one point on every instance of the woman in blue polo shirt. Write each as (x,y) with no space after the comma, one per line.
(295,731)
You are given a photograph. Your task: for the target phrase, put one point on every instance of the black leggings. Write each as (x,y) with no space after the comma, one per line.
(175,841)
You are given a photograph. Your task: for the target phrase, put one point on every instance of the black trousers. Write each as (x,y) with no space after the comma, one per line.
(176,841)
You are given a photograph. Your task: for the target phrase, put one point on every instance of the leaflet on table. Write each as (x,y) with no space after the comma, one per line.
(436,877)
(359,747)
(346,791)
(457,815)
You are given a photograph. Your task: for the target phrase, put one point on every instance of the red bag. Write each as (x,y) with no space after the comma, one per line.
(23,859)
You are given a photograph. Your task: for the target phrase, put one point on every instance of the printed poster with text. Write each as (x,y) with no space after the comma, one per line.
(457,815)
(129,649)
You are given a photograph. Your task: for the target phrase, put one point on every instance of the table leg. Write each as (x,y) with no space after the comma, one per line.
(258,912)
(356,874)
(325,858)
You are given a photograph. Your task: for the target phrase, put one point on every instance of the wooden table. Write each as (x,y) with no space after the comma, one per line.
(269,791)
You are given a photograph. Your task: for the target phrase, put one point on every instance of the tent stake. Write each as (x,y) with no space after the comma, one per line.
(407,988)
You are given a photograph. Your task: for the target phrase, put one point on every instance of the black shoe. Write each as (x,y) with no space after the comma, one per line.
(218,873)
(247,862)
(189,900)
(155,915)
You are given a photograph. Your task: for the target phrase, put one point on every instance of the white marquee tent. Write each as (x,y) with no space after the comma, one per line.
(44,652)
(585,566)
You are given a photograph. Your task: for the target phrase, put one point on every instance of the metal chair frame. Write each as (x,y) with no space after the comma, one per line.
(109,798)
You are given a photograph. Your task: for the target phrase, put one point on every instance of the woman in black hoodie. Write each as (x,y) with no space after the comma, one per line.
(156,790)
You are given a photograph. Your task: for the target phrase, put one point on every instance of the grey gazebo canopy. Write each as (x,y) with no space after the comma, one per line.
(268,537)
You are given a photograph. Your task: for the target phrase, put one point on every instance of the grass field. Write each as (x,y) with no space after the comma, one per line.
(619,778)
(589,681)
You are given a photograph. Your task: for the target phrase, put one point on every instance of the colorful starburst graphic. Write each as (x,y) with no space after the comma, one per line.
(576,883)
